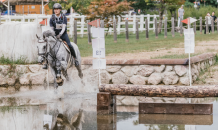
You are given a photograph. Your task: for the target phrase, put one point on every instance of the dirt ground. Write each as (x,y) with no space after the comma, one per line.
(200,47)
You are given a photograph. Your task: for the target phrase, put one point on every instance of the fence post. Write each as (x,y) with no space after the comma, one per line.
(217,27)
(102,23)
(137,30)
(0,17)
(200,25)
(195,26)
(75,32)
(207,25)
(154,22)
(148,21)
(181,27)
(173,29)
(165,28)
(118,25)
(141,22)
(212,25)
(127,31)
(82,25)
(155,25)
(134,21)
(89,32)
(115,31)
(146,29)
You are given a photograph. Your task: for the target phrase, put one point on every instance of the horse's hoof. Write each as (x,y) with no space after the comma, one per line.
(61,83)
(81,75)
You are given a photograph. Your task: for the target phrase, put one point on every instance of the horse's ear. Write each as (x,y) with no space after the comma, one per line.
(37,36)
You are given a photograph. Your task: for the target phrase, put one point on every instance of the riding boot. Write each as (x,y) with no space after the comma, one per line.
(74,55)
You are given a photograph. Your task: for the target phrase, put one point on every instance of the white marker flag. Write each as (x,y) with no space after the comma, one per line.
(98,32)
(99,63)
(189,40)
(99,52)
(47,120)
(98,43)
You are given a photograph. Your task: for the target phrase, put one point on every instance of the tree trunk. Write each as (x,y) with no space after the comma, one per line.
(161,12)
(160,90)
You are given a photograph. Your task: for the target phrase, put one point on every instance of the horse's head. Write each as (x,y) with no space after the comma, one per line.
(42,49)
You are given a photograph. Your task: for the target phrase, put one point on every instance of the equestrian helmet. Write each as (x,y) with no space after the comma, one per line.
(57,6)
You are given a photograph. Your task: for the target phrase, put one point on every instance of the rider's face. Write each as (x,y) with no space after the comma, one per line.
(57,11)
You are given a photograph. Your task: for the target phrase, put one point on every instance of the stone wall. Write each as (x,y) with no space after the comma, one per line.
(138,72)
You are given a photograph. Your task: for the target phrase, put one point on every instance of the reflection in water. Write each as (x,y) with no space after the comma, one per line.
(78,112)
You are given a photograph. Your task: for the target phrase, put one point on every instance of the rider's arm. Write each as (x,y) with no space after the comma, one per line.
(51,24)
(64,25)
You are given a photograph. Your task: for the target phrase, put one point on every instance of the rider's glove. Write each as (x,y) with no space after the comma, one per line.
(58,36)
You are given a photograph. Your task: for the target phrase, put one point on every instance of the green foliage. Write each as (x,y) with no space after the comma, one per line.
(7,61)
(65,4)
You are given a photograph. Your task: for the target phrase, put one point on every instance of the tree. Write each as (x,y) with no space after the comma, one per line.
(171,5)
(105,10)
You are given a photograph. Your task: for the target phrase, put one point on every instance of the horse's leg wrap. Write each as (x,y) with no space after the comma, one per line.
(58,67)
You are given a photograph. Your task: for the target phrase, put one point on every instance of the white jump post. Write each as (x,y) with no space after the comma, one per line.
(82,25)
(148,18)
(141,22)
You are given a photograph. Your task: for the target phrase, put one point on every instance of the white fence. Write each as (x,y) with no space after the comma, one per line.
(82,24)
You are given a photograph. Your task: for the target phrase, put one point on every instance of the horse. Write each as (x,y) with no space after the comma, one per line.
(58,56)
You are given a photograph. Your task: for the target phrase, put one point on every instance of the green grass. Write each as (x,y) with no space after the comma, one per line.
(141,45)
(175,56)
(7,61)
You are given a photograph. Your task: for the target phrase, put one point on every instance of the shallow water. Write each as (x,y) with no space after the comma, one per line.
(28,111)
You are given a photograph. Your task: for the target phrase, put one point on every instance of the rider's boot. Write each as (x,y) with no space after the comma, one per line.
(73,54)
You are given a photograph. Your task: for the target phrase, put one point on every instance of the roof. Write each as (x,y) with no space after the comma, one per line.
(24,1)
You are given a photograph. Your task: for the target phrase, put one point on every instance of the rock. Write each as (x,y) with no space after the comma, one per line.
(34,68)
(11,90)
(180,69)
(3,90)
(3,80)
(119,78)
(211,62)
(4,69)
(138,80)
(113,68)
(37,78)
(194,70)
(155,79)
(118,97)
(202,65)
(11,80)
(25,79)
(168,69)
(182,100)
(199,67)
(145,70)
(130,101)
(38,88)
(184,80)
(105,77)
(159,69)
(170,78)
(129,70)
(194,78)
(21,69)
(24,88)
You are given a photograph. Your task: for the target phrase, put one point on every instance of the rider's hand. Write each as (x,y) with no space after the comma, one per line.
(58,36)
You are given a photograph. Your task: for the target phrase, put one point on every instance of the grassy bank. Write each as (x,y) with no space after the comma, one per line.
(141,45)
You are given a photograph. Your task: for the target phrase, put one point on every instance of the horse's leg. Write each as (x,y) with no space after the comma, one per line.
(54,75)
(79,71)
(59,80)
(65,74)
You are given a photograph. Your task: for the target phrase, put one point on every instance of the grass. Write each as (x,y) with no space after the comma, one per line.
(142,44)
(7,61)
(175,56)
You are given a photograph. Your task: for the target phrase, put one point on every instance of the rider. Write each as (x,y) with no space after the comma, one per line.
(58,23)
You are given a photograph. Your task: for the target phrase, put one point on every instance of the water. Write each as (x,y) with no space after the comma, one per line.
(31,110)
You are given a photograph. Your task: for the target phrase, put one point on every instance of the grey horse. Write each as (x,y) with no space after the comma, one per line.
(58,56)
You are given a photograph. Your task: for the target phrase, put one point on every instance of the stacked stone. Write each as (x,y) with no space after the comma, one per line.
(153,74)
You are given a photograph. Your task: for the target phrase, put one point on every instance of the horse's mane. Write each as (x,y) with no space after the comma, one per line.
(48,33)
